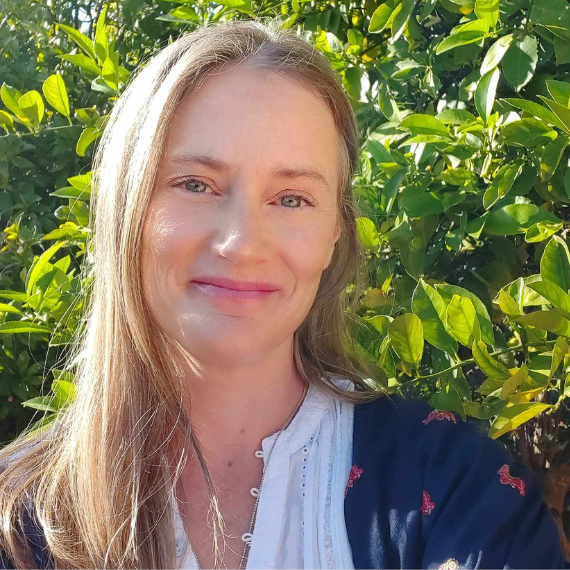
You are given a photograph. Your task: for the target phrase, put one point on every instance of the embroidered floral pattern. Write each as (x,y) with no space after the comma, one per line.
(355,473)
(514,482)
(449,564)
(427,504)
(439,415)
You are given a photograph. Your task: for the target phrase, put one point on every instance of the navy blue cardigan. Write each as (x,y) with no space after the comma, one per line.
(427,490)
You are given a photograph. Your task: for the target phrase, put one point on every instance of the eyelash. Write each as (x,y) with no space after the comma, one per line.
(287,195)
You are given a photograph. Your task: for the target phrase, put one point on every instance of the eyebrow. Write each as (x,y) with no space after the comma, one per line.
(280,172)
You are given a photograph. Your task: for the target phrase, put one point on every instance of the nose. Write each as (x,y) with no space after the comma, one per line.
(243,230)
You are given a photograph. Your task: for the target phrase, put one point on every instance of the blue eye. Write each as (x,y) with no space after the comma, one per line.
(195,186)
(290,199)
(296,198)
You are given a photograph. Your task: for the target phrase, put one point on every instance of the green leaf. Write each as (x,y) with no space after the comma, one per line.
(558,353)
(16,327)
(379,18)
(448,291)
(563,113)
(487,364)
(554,295)
(32,106)
(5,308)
(560,91)
(390,190)
(514,416)
(429,306)
(551,156)
(420,124)
(71,193)
(538,111)
(43,403)
(455,117)
(455,235)
(80,39)
(101,39)
(461,320)
(6,121)
(488,10)
(401,17)
(502,183)
(516,219)
(476,226)
(519,63)
(407,338)
(485,93)
(380,323)
(555,13)
(550,321)
(511,384)
(423,204)
(38,266)
(386,102)
(562,50)
(495,53)
(10,97)
(541,231)
(109,73)
(367,232)
(88,135)
(490,407)
(527,132)
(449,400)
(555,263)
(233,3)
(55,92)
(489,386)
(82,61)
(460,39)
(68,230)
(13,295)
(508,305)
(65,392)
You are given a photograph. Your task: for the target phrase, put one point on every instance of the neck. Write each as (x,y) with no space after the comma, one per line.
(233,409)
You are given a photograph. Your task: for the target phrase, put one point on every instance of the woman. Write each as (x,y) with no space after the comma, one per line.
(222,419)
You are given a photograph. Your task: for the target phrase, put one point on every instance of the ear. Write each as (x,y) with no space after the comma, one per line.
(337,232)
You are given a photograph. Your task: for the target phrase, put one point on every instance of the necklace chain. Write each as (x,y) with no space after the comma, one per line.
(254,513)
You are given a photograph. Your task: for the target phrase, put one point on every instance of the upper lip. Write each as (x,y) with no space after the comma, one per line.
(237,285)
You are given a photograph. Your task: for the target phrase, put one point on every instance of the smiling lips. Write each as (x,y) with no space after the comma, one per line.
(228,288)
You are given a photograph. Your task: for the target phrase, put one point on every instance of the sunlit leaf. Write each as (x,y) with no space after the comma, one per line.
(407,338)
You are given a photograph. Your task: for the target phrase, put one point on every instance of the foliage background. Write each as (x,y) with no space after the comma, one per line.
(463,186)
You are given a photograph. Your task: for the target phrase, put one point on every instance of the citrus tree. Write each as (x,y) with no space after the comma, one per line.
(463,188)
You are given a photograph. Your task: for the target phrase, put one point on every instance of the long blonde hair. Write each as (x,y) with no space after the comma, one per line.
(100,479)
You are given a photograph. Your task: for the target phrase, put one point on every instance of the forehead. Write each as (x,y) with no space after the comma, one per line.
(259,120)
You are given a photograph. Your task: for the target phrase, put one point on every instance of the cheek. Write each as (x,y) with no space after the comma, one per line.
(309,245)
(161,242)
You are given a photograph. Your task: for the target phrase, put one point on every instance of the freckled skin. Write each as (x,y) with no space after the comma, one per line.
(240,226)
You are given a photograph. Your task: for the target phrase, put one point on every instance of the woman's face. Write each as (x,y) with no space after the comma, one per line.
(246,192)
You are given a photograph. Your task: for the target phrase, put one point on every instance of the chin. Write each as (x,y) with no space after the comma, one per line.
(222,347)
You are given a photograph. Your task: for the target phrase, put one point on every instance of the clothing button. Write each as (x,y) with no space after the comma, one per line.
(254,491)
(247,537)
(259,454)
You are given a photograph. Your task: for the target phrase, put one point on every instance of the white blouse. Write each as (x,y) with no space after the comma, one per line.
(300,517)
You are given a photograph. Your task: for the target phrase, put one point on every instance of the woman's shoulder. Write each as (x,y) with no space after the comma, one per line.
(458,494)
(417,436)
(409,419)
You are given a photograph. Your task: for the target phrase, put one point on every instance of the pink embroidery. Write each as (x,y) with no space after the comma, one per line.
(514,482)
(439,415)
(427,504)
(355,473)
